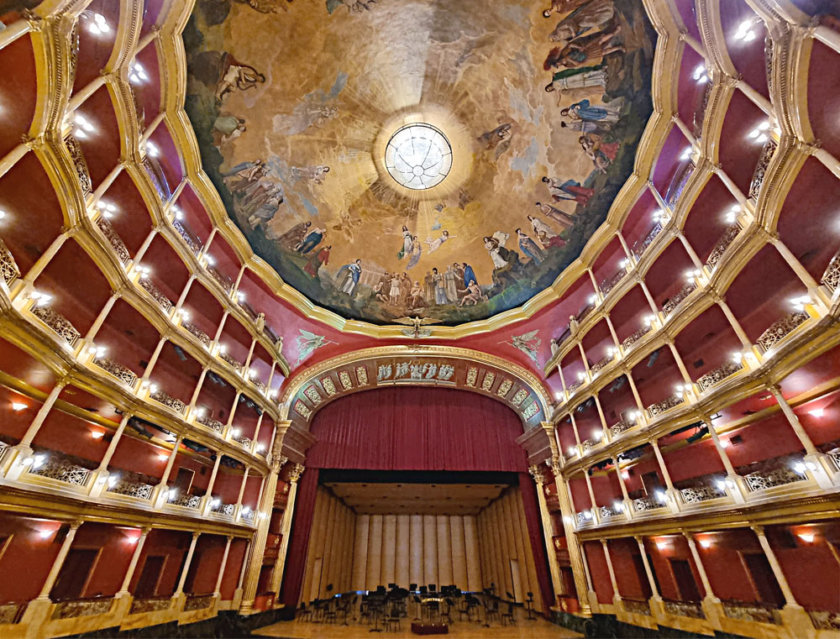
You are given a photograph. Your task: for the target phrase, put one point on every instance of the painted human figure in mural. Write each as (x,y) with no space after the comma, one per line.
(440,287)
(266,211)
(236,75)
(469,274)
(580,78)
(546,236)
(585,50)
(415,296)
(395,292)
(244,174)
(348,277)
(294,236)
(415,252)
(312,240)
(315,174)
(492,139)
(227,128)
(406,243)
(450,279)
(553,213)
(505,261)
(594,14)
(529,247)
(562,6)
(321,258)
(474,295)
(585,111)
(568,190)
(601,153)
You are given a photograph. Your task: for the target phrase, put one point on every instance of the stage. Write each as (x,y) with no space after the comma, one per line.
(536,629)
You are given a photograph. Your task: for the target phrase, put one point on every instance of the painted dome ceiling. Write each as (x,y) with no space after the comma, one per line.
(529,117)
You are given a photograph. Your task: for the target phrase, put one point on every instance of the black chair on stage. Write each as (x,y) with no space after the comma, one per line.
(432,588)
(418,608)
(304,612)
(446,610)
(491,610)
(412,588)
(391,621)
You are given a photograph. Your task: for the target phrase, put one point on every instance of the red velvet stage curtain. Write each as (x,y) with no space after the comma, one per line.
(417,429)
(535,533)
(301,527)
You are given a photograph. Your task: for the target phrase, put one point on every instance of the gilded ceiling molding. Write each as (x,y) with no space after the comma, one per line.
(524,377)
(173,59)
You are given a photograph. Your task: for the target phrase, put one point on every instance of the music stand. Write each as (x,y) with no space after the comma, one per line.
(530,606)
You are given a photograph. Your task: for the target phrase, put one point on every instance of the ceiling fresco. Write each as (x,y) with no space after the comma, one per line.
(294,105)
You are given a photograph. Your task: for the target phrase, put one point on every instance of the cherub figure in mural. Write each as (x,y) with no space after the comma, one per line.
(498,138)
(594,14)
(236,75)
(553,213)
(580,78)
(305,115)
(312,240)
(436,243)
(227,128)
(585,50)
(585,111)
(354,6)
(319,259)
(528,343)
(562,6)
(568,190)
(474,295)
(529,247)
(316,174)
(294,236)
(349,276)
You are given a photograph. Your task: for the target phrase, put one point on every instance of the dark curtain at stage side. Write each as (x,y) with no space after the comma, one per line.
(535,533)
(417,429)
(301,527)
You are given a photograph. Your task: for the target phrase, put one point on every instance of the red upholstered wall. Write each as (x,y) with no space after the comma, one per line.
(417,429)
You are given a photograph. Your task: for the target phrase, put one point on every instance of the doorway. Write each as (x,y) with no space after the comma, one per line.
(74,574)
(147,584)
(684,576)
(763,580)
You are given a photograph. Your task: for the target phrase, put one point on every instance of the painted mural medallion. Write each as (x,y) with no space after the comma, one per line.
(418,158)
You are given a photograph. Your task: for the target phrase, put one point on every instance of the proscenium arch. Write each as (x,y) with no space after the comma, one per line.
(520,377)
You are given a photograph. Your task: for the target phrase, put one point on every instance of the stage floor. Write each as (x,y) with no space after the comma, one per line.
(537,629)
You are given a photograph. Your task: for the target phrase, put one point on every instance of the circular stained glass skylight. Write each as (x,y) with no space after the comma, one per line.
(418,156)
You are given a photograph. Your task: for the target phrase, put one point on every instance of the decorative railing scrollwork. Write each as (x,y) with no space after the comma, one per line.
(227,357)
(672,303)
(150,604)
(610,512)
(57,466)
(684,608)
(780,329)
(114,240)
(601,363)
(187,501)
(125,375)
(170,402)
(79,163)
(199,602)
(188,236)
(701,493)
(830,278)
(757,612)
(723,243)
(583,518)
(158,295)
(619,427)
(82,607)
(9,270)
(136,489)
(636,606)
(213,424)
(202,337)
(781,475)
(224,281)
(642,504)
(635,337)
(717,375)
(58,323)
(609,284)
(761,168)
(666,404)
(11,612)
(825,619)
(641,246)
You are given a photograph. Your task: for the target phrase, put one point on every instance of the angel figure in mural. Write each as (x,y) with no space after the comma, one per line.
(436,243)
(568,190)
(308,343)
(416,323)
(415,252)
(562,6)
(348,277)
(498,138)
(236,75)
(528,343)
(346,224)
(594,14)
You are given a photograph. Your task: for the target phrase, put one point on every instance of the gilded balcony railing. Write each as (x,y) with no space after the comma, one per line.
(125,375)
(248,516)
(188,236)
(129,488)
(684,608)
(224,281)
(79,163)
(170,402)
(702,492)
(610,512)
(761,168)
(114,240)
(672,303)
(775,472)
(242,440)
(780,329)
(150,604)
(642,504)
(202,337)
(11,612)
(583,518)
(158,295)
(601,363)
(666,404)
(825,619)
(717,375)
(82,607)
(833,454)
(636,606)
(830,278)
(751,611)
(186,501)
(9,270)
(55,465)
(213,424)
(723,243)
(641,246)
(609,284)
(227,357)
(222,509)
(635,337)
(199,602)
(619,427)
(58,323)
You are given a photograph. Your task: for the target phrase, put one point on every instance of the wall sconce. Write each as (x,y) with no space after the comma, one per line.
(807,537)
(705,543)
(816,412)
(19,406)
(661,545)
(97,434)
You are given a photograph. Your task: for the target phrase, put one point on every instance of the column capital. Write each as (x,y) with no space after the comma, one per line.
(536,472)
(296,472)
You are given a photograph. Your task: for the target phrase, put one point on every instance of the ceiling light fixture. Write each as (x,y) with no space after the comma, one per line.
(418,156)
